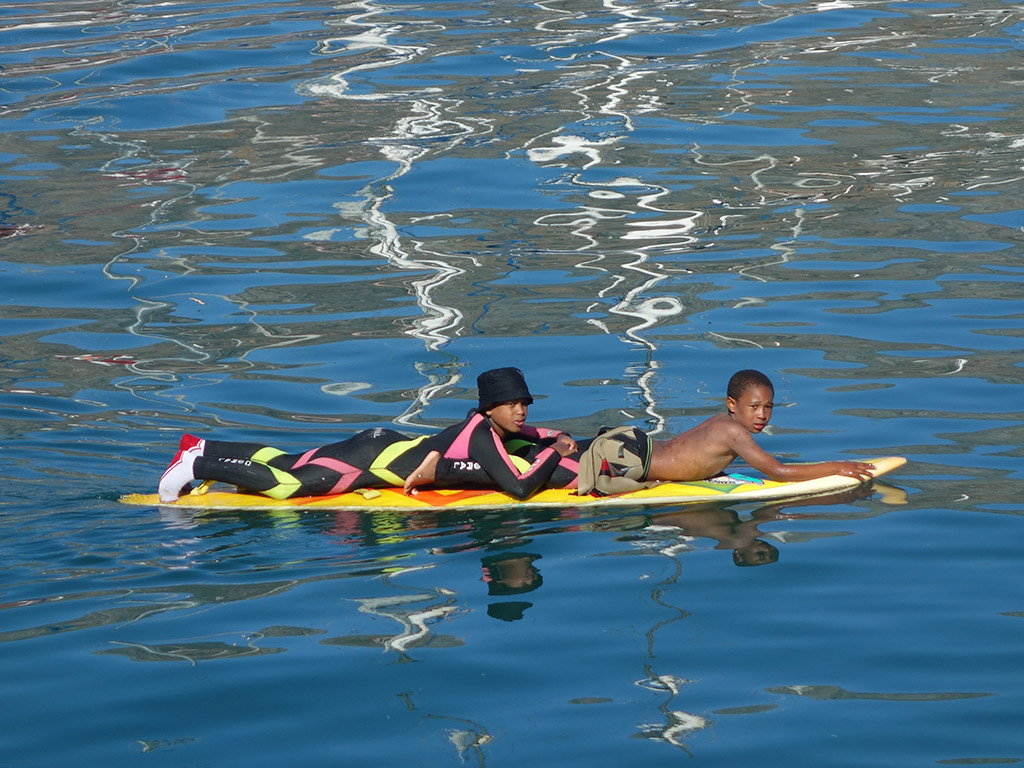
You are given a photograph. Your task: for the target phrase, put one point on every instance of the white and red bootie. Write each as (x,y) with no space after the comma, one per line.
(179,474)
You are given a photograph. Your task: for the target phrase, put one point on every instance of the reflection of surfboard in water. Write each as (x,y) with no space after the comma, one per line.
(725,487)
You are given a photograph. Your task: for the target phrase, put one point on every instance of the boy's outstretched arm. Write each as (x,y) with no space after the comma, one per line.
(746,449)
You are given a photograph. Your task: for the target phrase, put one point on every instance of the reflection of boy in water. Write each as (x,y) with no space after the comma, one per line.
(725,527)
(758,552)
(510,573)
(727,530)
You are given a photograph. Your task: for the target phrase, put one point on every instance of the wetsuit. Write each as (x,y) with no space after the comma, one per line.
(524,455)
(619,453)
(377,458)
(473,456)
(373,458)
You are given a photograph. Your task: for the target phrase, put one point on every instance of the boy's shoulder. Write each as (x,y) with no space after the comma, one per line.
(722,427)
(721,422)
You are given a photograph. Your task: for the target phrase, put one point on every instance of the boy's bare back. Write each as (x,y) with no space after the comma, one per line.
(698,453)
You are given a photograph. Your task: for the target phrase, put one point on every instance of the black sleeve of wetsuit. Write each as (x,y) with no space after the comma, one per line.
(482,459)
(463,473)
(456,473)
(460,473)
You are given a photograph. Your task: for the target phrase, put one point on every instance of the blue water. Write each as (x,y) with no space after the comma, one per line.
(285,222)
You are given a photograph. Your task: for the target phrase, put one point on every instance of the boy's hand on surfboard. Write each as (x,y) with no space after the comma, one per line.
(859,470)
(423,474)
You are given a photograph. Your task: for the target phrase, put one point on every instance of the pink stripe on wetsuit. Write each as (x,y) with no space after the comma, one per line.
(348,473)
(474,445)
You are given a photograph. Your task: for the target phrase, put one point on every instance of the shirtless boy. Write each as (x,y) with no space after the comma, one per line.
(711,446)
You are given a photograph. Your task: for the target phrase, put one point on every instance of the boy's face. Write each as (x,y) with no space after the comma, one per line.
(753,409)
(508,418)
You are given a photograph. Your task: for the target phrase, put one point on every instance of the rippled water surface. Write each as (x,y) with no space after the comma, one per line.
(285,222)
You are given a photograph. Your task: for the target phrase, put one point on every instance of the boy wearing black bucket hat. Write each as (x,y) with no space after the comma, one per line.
(484,450)
(502,385)
(376,458)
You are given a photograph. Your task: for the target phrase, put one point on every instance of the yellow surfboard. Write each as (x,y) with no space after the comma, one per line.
(725,487)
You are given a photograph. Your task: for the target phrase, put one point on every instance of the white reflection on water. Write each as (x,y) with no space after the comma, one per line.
(410,141)
(415,138)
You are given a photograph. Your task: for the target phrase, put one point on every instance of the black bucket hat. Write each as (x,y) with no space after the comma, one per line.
(501,385)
